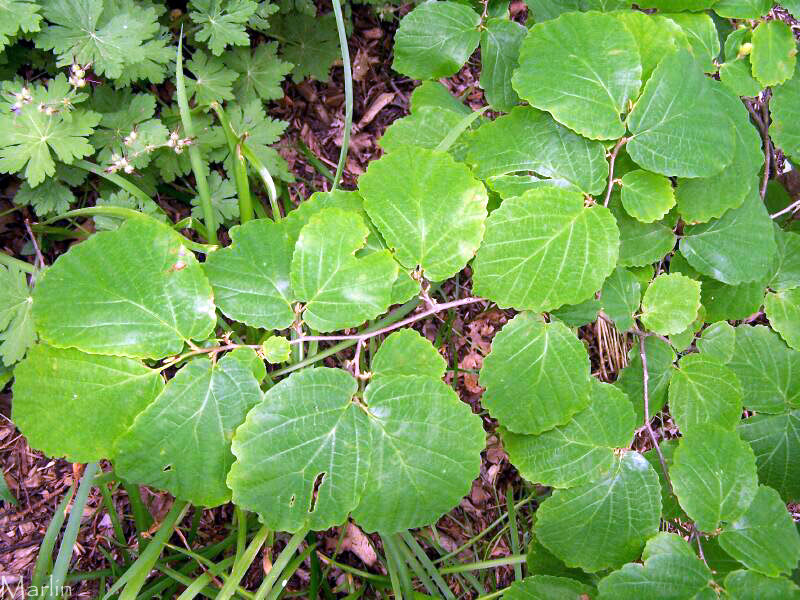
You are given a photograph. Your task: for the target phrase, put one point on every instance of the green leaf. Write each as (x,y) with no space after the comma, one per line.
(545,249)
(17,332)
(580,451)
(704,198)
(783,312)
(303,454)
(702,37)
(276,349)
(212,81)
(425,127)
(704,391)
(714,476)
(737,248)
(5,494)
(142,294)
(718,341)
(786,274)
(260,72)
(774,53)
(500,43)
(646,196)
(425,452)
(29,137)
(434,94)
(578,315)
(660,357)
(311,44)
(670,303)
(784,108)
(406,352)
(222,22)
(640,243)
(428,208)
(749,585)
(764,538)
(775,440)
(18,16)
(655,36)
(72,404)
(435,40)
(669,503)
(671,574)
(107,36)
(603,524)
(620,297)
(552,380)
(736,76)
(224,201)
(123,199)
(731,301)
(49,198)
(768,371)
(547,587)
(678,5)
(182,441)
(677,103)
(540,561)
(587,95)
(742,9)
(530,140)
(340,290)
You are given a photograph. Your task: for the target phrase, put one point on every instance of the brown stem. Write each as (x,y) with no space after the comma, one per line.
(612,159)
(793,207)
(645,382)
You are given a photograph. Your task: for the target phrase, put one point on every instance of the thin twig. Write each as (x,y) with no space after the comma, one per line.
(646,393)
(762,122)
(612,159)
(39,257)
(792,208)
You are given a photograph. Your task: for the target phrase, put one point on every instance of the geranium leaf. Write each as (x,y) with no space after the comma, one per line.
(188,452)
(212,81)
(303,454)
(435,40)
(764,538)
(18,16)
(552,380)
(541,587)
(17,332)
(586,95)
(775,440)
(417,422)
(784,108)
(142,294)
(580,451)
(714,475)
(406,352)
(703,391)
(72,404)
(500,43)
(738,247)
(260,72)
(620,297)
(677,103)
(670,303)
(646,197)
(545,249)
(749,585)
(783,312)
(774,53)
(768,371)
(603,524)
(660,357)
(339,289)
(222,24)
(429,209)
(250,278)
(530,140)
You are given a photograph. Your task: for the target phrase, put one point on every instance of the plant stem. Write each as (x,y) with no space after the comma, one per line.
(266,178)
(16,263)
(126,185)
(612,159)
(485,564)
(793,207)
(348,93)
(71,532)
(239,165)
(646,393)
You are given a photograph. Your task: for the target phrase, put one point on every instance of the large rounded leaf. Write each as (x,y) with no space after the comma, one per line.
(646,196)
(660,357)
(768,370)
(425,452)
(670,303)
(551,379)
(580,451)
(714,476)
(250,278)
(406,352)
(749,585)
(547,587)
(603,524)
(545,249)
(435,40)
(561,71)
(775,440)
(676,124)
(786,269)
(303,454)
(764,538)
(339,289)
(500,43)
(737,248)
(182,442)
(704,391)
(72,404)
(774,54)
(137,291)
(429,209)
(785,111)
(620,298)
(783,312)
(530,140)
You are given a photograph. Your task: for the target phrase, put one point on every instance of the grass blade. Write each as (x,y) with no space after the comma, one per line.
(348,93)
(265,176)
(45,557)
(239,165)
